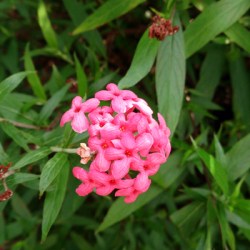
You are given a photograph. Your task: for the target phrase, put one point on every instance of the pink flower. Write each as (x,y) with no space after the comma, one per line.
(141,185)
(116,96)
(108,183)
(125,152)
(76,115)
(88,183)
(126,144)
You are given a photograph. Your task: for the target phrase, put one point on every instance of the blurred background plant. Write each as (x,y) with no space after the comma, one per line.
(198,79)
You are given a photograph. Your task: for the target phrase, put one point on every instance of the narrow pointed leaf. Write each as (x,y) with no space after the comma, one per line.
(33,79)
(52,103)
(45,25)
(215,168)
(51,170)
(216,18)
(110,10)
(238,158)
(240,35)
(169,172)
(170,78)
(54,199)
(82,83)
(143,60)
(15,134)
(10,83)
(32,157)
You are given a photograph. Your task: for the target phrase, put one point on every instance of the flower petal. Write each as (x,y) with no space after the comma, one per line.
(80,174)
(104,95)
(67,116)
(94,143)
(144,142)
(114,154)
(77,102)
(99,178)
(131,198)
(155,159)
(152,170)
(124,192)
(127,94)
(120,168)
(80,123)
(102,164)
(84,189)
(118,105)
(124,183)
(142,182)
(90,105)
(104,190)
(109,131)
(113,87)
(141,105)
(128,140)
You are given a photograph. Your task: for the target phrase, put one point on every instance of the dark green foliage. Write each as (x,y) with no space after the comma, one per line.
(198,79)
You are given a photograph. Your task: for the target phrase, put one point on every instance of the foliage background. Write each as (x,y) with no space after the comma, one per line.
(198,79)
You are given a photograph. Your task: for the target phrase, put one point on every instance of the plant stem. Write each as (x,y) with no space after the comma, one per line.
(66,150)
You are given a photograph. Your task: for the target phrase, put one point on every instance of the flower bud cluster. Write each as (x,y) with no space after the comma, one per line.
(160,28)
(126,144)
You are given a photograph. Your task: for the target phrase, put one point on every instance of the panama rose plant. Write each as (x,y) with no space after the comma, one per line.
(126,144)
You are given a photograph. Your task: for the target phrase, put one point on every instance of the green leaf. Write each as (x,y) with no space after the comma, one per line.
(240,35)
(238,158)
(188,216)
(10,83)
(15,134)
(215,168)
(120,210)
(20,207)
(54,199)
(219,152)
(19,178)
(82,82)
(51,170)
(52,103)
(226,231)
(170,78)
(2,229)
(44,23)
(243,204)
(4,158)
(143,60)
(167,175)
(241,89)
(235,219)
(211,72)
(80,242)
(110,10)
(33,79)
(31,157)
(215,19)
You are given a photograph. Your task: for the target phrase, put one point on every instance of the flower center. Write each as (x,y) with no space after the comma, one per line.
(77,109)
(102,123)
(104,145)
(122,128)
(112,182)
(128,153)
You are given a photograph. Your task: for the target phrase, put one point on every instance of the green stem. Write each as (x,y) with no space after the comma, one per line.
(65,150)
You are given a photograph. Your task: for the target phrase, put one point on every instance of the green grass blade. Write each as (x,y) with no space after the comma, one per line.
(110,10)
(216,18)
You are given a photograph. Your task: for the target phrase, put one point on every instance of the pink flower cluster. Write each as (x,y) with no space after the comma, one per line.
(126,144)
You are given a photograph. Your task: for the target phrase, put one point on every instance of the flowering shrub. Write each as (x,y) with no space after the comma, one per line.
(126,144)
